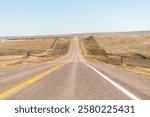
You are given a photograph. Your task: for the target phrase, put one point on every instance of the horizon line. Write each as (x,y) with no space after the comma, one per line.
(76,33)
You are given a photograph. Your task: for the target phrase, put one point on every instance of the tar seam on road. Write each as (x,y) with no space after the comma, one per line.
(125,91)
(31,81)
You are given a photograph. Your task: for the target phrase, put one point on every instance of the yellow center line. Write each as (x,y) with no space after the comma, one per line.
(31,81)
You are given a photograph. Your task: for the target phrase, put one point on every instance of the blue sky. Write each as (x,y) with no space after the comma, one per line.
(42,17)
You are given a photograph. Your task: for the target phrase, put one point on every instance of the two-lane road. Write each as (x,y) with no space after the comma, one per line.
(72,77)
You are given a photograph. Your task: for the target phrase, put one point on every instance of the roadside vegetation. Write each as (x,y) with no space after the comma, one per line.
(28,51)
(131,52)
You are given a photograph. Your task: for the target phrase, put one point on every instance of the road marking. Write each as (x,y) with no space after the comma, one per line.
(125,91)
(31,81)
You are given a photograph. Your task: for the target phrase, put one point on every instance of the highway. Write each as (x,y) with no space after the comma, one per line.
(72,77)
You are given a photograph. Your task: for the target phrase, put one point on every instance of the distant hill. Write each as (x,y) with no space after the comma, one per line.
(76,34)
(136,32)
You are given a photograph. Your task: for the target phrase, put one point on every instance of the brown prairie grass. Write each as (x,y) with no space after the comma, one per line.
(108,49)
(20,47)
(13,53)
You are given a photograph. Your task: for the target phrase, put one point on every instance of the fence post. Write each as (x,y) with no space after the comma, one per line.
(121,61)
(28,54)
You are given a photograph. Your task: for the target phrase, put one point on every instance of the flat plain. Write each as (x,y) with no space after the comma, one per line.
(14,52)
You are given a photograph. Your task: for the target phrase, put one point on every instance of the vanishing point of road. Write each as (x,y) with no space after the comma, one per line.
(72,77)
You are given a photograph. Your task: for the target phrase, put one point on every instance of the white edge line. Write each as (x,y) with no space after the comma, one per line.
(125,91)
(115,84)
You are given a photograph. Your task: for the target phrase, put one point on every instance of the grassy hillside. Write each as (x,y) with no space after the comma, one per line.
(129,51)
(125,44)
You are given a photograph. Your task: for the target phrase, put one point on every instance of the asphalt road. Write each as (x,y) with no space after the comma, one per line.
(72,78)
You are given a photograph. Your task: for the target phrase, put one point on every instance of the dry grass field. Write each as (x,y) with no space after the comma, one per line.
(110,48)
(125,44)
(20,47)
(13,52)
